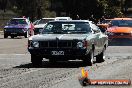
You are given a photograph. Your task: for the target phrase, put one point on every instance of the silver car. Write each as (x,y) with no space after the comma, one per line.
(68,40)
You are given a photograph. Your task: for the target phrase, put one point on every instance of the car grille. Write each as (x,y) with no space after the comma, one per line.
(58,44)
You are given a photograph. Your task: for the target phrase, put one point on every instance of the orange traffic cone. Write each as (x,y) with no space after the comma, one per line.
(84,80)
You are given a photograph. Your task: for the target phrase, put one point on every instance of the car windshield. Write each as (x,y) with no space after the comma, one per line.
(17,21)
(121,23)
(66,28)
(44,21)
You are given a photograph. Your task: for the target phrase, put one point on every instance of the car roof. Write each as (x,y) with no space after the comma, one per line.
(19,18)
(108,19)
(122,19)
(62,17)
(71,21)
(48,18)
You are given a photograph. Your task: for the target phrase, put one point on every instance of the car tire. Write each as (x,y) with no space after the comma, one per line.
(52,60)
(100,57)
(12,36)
(5,36)
(36,60)
(89,58)
(26,35)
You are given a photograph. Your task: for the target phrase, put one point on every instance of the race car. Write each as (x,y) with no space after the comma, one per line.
(104,24)
(120,28)
(68,40)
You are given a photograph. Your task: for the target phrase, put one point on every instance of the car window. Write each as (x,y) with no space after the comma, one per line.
(121,23)
(44,21)
(18,21)
(67,27)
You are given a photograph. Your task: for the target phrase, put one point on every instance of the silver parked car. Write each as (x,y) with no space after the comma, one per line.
(68,40)
(41,23)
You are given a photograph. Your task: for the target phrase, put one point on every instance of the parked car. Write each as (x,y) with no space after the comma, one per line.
(41,23)
(120,28)
(67,40)
(104,24)
(18,27)
(35,22)
(62,18)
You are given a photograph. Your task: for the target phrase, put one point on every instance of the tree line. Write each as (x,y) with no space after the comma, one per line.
(36,9)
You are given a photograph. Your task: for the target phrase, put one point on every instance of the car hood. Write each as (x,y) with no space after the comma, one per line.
(40,26)
(120,29)
(43,37)
(17,26)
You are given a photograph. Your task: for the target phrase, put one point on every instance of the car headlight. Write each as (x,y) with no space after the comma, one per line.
(35,44)
(79,45)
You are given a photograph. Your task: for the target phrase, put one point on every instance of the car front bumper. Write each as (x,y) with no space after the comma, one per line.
(120,35)
(68,53)
(15,32)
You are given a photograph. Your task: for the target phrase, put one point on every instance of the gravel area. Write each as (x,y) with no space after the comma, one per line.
(16,70)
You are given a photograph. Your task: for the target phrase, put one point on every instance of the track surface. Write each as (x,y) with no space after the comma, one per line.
(16,70)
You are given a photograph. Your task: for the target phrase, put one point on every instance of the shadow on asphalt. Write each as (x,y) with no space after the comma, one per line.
(47,64)
(120,42)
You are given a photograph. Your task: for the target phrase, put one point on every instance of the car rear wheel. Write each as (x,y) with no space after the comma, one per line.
(12,36)
(100,57)
(36,60)
(52,60)
(89,58)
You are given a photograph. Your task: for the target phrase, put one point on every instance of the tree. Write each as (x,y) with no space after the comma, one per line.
(3,5)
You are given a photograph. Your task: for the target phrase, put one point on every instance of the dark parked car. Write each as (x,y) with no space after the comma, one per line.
(17,27)
(67,40)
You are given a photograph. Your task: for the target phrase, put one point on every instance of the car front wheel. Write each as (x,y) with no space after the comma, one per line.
(88,60)
(12,36)
(36,60)
(100,57)
(5,36)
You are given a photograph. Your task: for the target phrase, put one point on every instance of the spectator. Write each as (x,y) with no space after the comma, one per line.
(31,29)
(92,19)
